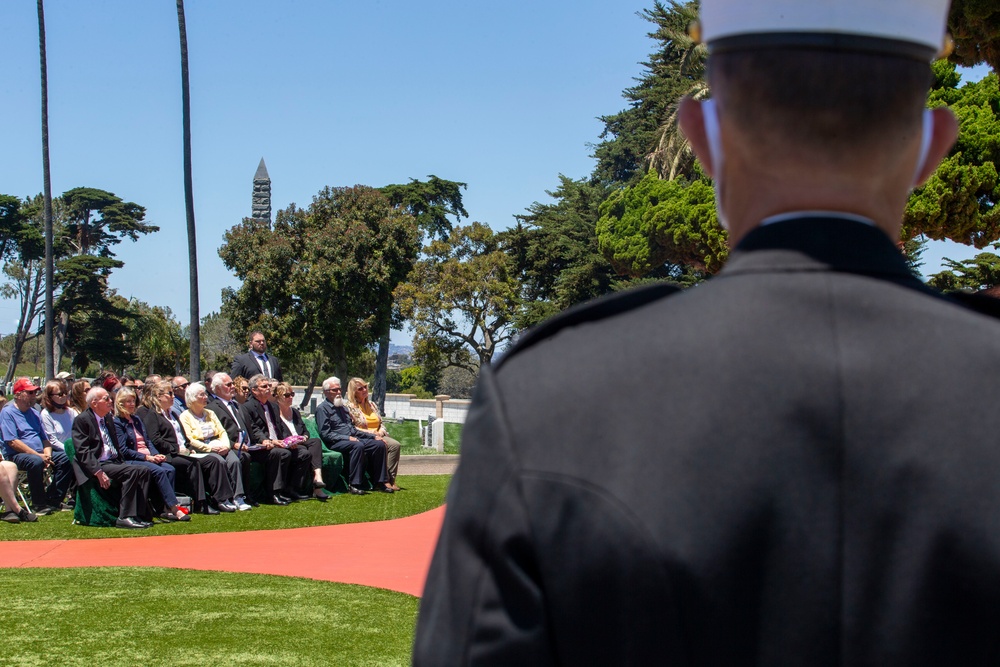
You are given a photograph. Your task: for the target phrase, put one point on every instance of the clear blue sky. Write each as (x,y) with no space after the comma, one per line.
(503,97)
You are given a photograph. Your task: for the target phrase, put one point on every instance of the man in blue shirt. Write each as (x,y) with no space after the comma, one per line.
(25,443)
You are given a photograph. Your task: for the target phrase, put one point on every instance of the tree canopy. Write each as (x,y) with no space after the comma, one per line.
(979,273)
(656,222)
(554,248)
(463,292)
(975,27)
(430,202)
(321,279)
(959,201)
(674,69)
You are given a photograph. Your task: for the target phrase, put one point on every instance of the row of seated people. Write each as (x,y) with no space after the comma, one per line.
(206,448)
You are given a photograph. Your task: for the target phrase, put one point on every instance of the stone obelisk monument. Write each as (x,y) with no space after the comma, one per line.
(261,203)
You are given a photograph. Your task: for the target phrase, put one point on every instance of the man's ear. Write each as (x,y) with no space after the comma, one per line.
(691,119)
(942,139)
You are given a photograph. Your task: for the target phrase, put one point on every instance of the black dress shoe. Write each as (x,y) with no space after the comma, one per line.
(277,499)
(295,495)
(131,523)
(355,491)
(208,509)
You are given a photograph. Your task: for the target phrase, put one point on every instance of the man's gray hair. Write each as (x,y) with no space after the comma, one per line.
(218,380)
(94,394)
(330,381)
(256,380)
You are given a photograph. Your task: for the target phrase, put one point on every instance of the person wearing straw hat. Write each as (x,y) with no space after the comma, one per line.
(821,427)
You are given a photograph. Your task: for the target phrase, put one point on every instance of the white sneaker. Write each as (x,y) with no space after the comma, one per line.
(242,504)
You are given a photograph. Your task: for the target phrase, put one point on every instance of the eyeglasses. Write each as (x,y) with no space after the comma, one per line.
(362,388)
(182,386)
(291,395)
(58,393)
(227,384)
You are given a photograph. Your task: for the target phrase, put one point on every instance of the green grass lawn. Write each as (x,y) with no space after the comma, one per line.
(408,435)
(152,616)
(421,493)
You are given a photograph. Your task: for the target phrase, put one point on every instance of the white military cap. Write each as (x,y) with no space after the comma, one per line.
(913,28)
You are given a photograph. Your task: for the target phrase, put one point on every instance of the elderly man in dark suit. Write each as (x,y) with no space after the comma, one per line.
(285,468)
(794,463)
(361,450)
(257,360)
(99,457)
(221,402)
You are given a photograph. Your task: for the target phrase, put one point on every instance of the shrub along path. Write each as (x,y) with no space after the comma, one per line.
(392,554)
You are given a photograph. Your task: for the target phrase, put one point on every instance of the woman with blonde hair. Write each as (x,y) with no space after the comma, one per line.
(367,418)
(141,451)
(241,389)
(290,424)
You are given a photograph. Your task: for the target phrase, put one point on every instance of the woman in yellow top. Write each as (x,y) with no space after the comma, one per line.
(207,436)
(367,418)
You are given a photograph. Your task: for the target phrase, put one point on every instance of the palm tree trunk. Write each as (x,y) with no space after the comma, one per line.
(50,370)
(189,200)
(381,369)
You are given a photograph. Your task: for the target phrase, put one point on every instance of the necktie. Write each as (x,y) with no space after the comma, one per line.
(270,424)
(109,451)
(244,436)
(265,365)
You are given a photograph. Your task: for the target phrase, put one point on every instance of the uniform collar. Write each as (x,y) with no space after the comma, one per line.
(819,243)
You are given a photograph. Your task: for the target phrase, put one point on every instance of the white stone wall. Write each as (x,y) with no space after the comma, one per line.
(406,406)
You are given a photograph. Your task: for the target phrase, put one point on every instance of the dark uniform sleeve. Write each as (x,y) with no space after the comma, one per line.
(482,603)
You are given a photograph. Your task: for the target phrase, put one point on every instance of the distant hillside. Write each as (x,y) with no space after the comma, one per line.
(399,349)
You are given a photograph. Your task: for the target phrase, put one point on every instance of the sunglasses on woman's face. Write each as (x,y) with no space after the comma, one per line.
(292,395)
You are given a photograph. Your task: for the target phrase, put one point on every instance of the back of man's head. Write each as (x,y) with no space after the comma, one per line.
(840,105)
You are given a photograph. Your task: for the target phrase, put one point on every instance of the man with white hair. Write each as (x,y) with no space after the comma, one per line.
(98,457)
(361,450)
(794,463)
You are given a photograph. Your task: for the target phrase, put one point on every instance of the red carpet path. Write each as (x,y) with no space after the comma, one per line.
(386,554)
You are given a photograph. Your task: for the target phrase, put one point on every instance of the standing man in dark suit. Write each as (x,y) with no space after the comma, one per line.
(257,360)
(794,463)
(98,456)
(361,450)
(284,468)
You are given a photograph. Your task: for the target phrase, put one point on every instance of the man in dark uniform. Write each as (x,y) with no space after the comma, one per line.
(794,463)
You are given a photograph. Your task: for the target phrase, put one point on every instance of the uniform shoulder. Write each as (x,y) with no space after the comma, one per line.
(594,310)
(984,304)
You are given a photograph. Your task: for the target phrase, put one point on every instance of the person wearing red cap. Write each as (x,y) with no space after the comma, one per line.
(26,445)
